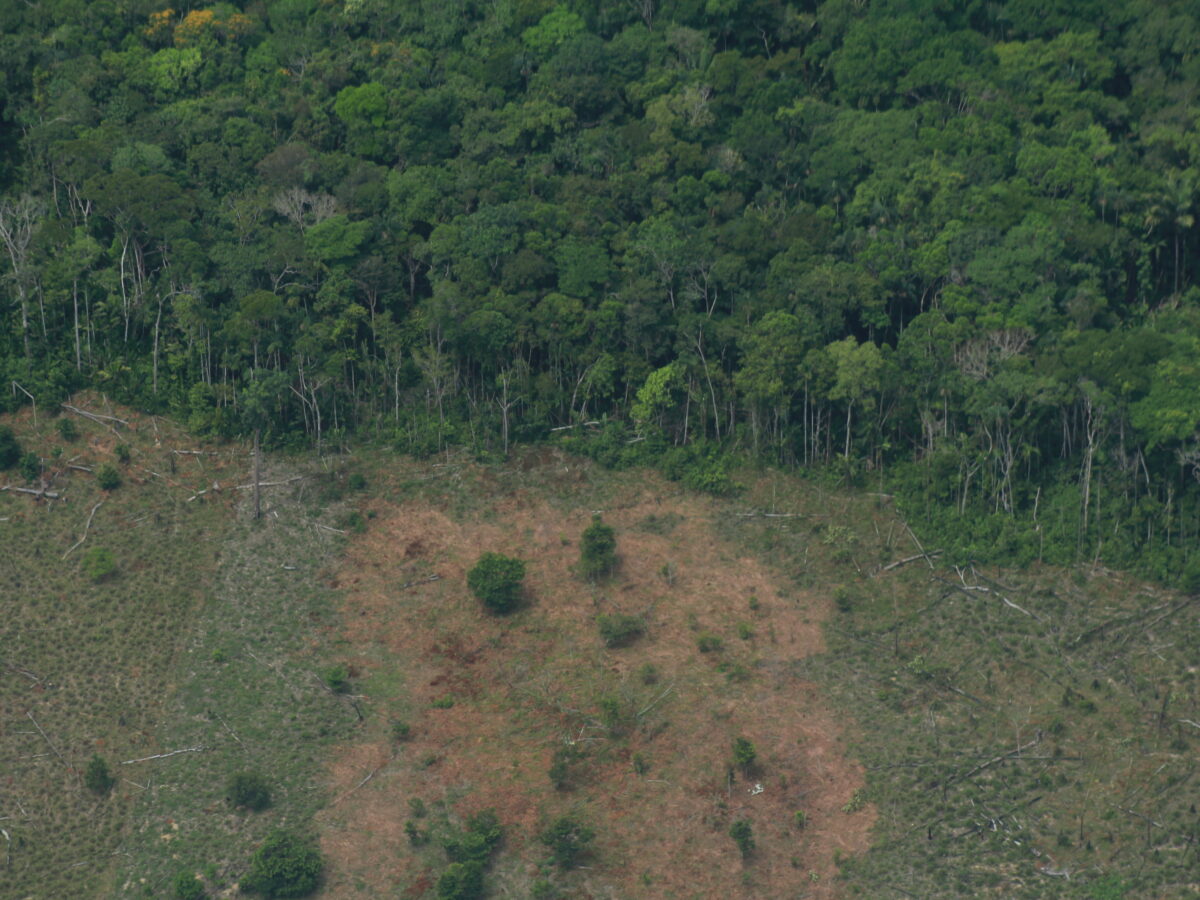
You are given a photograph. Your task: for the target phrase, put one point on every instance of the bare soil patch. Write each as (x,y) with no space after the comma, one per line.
(653,722)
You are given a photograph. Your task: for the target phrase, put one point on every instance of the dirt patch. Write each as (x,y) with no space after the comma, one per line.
(490,701)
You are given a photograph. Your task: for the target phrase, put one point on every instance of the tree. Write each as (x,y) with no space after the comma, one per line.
(97,776)
(597,550)
(742,833)
(496,581)
(10,448)
(568,838)
(248,790)
(744,754)
(285,865)
(461,881)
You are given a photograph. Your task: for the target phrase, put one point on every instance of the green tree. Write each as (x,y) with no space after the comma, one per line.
(568,838)
(97,777)
(597,550)
(285,865)
(248,790)
(495,580)
(742,833)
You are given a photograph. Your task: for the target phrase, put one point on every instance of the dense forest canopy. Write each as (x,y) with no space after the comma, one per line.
(946,247)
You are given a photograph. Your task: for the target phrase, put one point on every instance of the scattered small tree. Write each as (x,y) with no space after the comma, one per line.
(619,629)
(10,448)
(461,881)
(744,754)
(284,866)
(99,563)
(97,776)
(187,886)
(597,550)
(108,477)
(30,466)
(568,838)
(66,429)
(743,835)
(496,581)
(249,791)
(337,678)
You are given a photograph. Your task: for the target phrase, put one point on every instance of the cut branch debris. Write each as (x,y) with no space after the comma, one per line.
(43,492)
(95,417)
(129,762)
(86,527)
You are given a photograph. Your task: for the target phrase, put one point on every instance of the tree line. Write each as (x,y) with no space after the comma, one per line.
(944,247)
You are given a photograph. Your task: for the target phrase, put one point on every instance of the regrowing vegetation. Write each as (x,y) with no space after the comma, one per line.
(717,392)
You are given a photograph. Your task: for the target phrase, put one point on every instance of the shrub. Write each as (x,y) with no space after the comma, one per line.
(10,448)
(97,777)
(108,477)
(99,563)
(249,791)
(284,866)
(187,886)
(124,454)
(417,836)
(30,466)
(743,835)
(597,550)
(66,429)
(357,482)
(477,841)
(568,838)
(461,881)
(619,630)
(562,766)
(496,581)
(337,678)
(709,643)
(401,730)
(800,819)
(744,754)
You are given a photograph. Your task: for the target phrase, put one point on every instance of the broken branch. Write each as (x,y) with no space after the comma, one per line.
(86,527)
(129,762)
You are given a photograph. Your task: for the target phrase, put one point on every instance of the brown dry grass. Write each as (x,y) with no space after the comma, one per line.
(524,684)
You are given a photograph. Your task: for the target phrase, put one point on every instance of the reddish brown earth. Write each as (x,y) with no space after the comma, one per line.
(524,684)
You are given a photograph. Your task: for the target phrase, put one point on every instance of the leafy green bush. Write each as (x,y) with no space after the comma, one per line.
(66,429)
(496,581)
(10,448)
(620,630)
(743,835)
(248,791)
(30,466)
(597,550)
(568,838)
(401,730)
(124,453)
(108,477)
(744,754)
(99,563)
(562,766)
(357,482)
(337,678)
(477,841)
(97,777)
(707,642)
(187,886)
(284,866)
(461,881)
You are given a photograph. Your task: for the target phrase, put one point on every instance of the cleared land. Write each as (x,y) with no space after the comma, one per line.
(652,723)
(1012,729)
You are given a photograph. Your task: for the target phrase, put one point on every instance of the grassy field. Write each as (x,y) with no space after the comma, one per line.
(946,731)
(1025,734)
(88,657)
